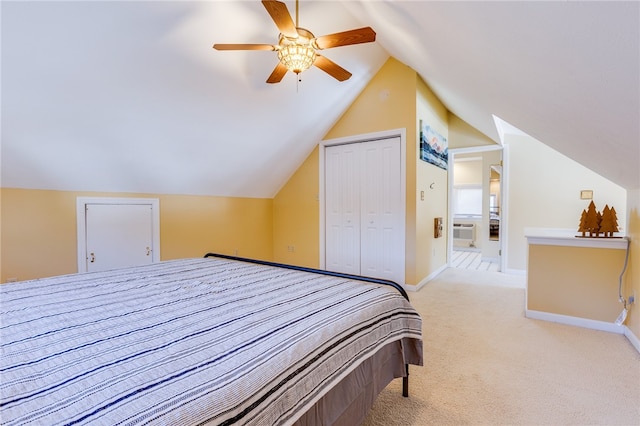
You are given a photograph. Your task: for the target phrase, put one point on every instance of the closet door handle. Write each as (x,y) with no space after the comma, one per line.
(148,251)
(92,257)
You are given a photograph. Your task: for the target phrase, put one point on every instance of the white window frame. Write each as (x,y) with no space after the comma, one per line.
(456,194)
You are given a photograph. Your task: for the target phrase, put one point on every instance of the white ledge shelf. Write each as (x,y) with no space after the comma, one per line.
(568,238)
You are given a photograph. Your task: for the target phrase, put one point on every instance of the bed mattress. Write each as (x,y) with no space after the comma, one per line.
(187,342)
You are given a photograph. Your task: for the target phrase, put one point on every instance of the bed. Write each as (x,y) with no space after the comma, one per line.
(215,340)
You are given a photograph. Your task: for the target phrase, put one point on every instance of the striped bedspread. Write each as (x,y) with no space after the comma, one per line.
(187,342)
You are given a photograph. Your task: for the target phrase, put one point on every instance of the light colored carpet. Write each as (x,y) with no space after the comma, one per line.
(486,364)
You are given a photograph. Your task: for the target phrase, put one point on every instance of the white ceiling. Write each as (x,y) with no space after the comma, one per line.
(130,96)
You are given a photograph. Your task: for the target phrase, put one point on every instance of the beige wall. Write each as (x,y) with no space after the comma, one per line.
(544,192)
(575,281)
(389,102)
(395,98)
(632,276)
(463,135)
(39,236)
(296,215)
(431,252)
(468,171)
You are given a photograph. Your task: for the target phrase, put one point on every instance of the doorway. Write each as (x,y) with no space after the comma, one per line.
(476,213)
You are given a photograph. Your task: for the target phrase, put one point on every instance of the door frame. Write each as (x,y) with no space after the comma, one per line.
(81,223)
(504,199)
(366,137)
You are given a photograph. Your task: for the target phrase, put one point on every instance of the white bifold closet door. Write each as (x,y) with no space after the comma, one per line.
(363,209)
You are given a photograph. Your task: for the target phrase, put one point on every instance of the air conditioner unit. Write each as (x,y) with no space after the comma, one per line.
(464,232)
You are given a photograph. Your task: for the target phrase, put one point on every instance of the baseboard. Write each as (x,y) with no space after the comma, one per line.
(416,287)
(516,271)
(575,321)
(632,338)
(587,323)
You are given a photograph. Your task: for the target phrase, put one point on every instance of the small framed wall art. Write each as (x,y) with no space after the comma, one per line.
(586,194)
(434,148)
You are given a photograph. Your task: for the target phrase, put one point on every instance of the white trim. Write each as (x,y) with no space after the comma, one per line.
(635,342)
(521,272)
(386,134)
(472,149)
(425,280)
(449,209)
(575,321)
(586,323)
(81,225)
(504,201)
(365,137)
(567,238)
(411,288)
(504,210)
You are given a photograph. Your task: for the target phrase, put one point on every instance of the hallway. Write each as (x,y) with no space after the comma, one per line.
(463,259)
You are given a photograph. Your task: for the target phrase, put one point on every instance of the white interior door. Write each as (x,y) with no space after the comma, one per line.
(381,252)
(342,164)
(117,233)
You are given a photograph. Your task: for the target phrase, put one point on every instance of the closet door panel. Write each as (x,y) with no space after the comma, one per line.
(381,251)
(118,235)
(342,210)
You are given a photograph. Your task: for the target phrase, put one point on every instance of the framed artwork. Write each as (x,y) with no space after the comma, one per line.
(434,148)
(586,194)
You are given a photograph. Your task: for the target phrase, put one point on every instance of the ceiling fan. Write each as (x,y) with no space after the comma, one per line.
(297,47)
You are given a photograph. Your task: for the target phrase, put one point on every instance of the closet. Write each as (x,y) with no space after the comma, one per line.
(364,209)
(117,232)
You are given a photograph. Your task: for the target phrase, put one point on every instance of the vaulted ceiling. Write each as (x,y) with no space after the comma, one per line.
(130,96)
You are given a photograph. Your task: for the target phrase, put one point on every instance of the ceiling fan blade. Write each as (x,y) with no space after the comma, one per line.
(331,68)
(219,46)
(277,74)
(280,15)
(345,38)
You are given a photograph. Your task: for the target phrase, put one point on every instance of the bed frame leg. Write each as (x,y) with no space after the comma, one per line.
(405,382)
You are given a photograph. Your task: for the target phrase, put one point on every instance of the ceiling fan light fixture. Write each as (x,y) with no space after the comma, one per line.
(297,57)
(297,46)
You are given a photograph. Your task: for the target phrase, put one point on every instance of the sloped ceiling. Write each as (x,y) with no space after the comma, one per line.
(130,97)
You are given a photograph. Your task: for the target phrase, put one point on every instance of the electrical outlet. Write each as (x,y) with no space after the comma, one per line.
(291,249)
(12,280)
(632,298)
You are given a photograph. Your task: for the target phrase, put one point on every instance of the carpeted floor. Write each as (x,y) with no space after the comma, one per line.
(486,364)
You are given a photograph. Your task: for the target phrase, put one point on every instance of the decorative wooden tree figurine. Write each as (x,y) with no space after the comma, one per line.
(594,222)
(609,223)
(591,222)
(583,223)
